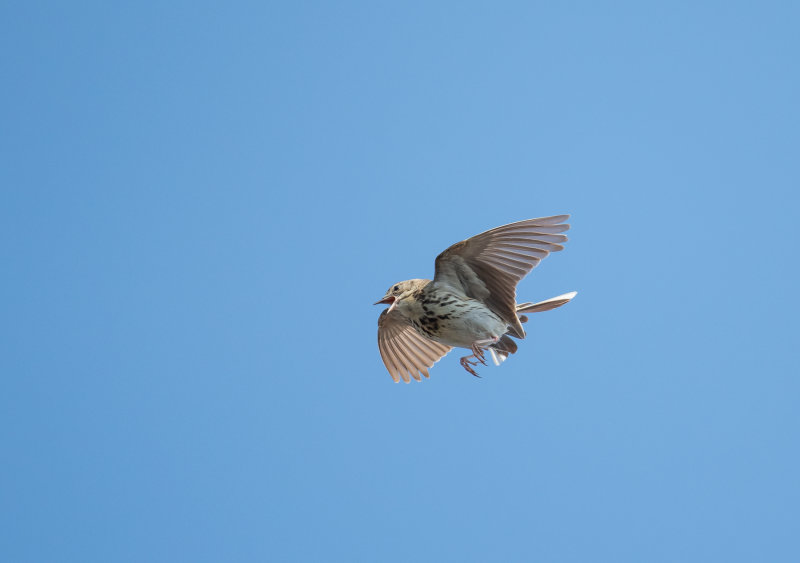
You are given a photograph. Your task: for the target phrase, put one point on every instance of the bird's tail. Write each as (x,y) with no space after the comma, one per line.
(546,305)
(502,349)
(505,346)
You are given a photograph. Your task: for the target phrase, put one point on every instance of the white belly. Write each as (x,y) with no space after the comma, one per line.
(457,321)
(477,323)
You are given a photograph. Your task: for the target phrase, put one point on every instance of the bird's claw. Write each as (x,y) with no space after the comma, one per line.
(478,354)
(477,351)
(467,365)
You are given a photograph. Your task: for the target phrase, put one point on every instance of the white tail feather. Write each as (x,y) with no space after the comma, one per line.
(497,357)
(547,304)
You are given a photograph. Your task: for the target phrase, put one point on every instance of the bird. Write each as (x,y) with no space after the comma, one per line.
(471,301)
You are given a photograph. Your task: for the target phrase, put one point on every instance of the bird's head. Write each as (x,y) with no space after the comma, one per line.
(400,291)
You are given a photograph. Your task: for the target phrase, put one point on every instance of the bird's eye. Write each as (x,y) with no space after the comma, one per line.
(395,288)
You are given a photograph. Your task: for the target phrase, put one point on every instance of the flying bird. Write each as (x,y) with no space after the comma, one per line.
(471,301)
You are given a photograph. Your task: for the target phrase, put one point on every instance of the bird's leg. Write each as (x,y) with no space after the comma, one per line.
(479,345)
(477,353)
(467,365)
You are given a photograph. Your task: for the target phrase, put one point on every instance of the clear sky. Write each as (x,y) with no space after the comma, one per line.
(201,201)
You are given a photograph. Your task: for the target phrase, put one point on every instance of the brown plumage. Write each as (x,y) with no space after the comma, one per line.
(471,302)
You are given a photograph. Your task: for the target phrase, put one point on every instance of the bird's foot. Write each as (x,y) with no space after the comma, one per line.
(477,352)
(467,365)
(479,345)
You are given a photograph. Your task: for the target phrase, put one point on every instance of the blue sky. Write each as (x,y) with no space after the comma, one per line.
(200,203)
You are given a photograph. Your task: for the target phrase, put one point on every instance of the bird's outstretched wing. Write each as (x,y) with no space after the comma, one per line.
(405,352)
(489,266)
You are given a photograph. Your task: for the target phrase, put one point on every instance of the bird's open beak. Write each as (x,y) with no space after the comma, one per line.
(386,300)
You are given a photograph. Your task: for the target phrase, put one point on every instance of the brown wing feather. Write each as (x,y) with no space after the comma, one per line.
(404,351)
(489,266)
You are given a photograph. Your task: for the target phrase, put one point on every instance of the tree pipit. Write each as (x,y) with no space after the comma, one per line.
(471,301)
